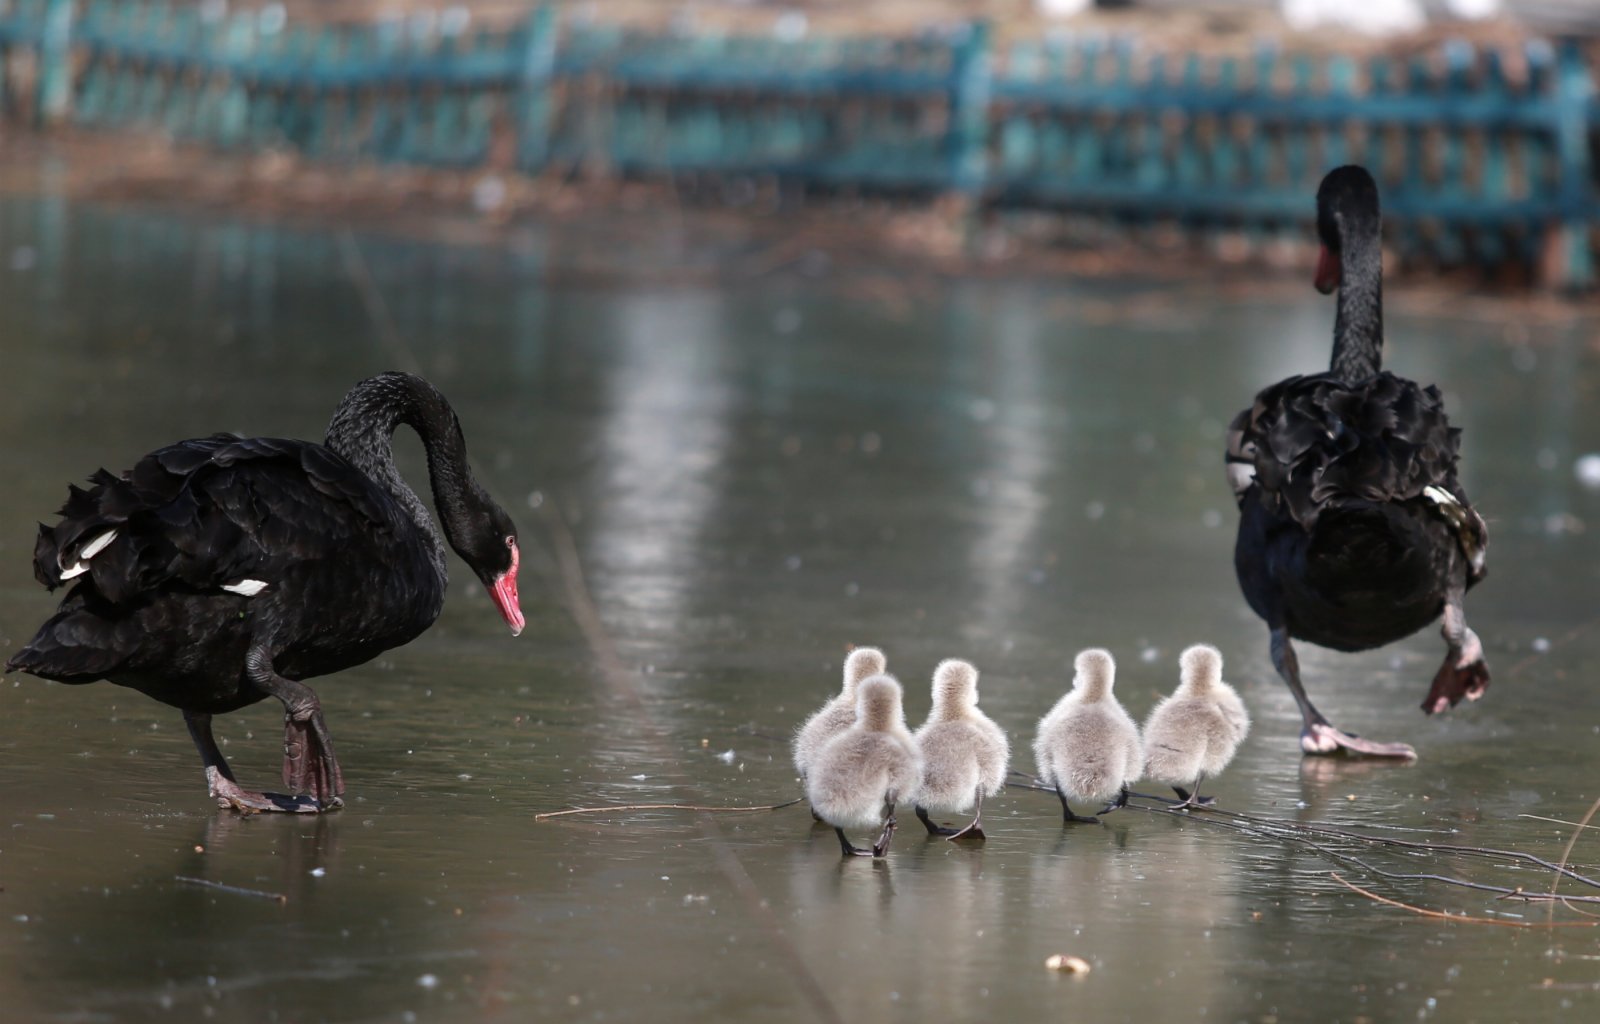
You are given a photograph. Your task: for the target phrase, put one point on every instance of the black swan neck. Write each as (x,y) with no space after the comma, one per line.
(362,431)
(1358,327)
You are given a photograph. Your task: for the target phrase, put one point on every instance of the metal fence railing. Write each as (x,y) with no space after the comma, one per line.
(1485,155)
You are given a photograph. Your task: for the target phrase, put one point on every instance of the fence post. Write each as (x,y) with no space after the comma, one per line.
(533,91)
(54,93)
(971,76)
(1574,88)
(5,54)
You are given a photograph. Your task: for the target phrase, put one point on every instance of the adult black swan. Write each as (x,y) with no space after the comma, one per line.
(225,570)
(1353,529)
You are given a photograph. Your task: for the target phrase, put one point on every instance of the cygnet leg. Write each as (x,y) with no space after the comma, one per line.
(881,847)
(850,851)
(1120,801)
(933,829)
(1194,799)
(974,830)
(1067,817)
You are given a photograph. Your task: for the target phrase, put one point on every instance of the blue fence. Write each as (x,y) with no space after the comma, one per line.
(1484,155)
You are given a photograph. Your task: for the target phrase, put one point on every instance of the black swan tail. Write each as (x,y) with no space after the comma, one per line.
(75,645)
(1316,443)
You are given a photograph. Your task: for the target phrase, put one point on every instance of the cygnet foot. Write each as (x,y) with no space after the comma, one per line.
(881,847)
(973,831)
(1119,802)
(1187,799)
(1067,815)
(851,851)
(935,830)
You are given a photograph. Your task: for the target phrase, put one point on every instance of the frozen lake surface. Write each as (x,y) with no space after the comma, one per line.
(720,486)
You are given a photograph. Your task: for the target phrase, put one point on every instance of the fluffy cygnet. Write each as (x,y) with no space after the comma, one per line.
(1088,747)
(964,753)
(839,713)
(858,776)
(1194,733)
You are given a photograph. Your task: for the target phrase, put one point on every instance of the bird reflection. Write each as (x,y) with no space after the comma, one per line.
(962,907)
(1139,893)
(1325,782)
(302,847)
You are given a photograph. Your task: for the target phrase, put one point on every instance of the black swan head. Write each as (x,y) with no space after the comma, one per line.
(489,546)
(475,526)
(1347,211)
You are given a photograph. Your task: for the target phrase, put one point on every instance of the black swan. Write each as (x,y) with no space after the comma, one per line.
(1353,529)
(222,571)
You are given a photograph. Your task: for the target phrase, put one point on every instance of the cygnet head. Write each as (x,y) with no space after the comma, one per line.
(1201,666)
(1096,670)
(878,703)
(862,663)
(955,687)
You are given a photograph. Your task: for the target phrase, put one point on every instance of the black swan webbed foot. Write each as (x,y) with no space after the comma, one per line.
(1321,738)
(1464,674)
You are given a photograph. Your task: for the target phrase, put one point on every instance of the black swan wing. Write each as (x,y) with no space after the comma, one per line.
(1314,444)
(212,514)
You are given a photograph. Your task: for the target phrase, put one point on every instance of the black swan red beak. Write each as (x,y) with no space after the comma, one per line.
(504,592)
(1327,279)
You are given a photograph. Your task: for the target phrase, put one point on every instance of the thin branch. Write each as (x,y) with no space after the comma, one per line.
(1461,918)
(1408,844)
(1556,821)
(666,807)
(1566,901)
(1029,785)
(1269,829)
(1556,882)
(1504,892)
(260,894)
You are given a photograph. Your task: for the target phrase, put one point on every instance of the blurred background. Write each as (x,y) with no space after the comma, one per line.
(781,328)
(992,127)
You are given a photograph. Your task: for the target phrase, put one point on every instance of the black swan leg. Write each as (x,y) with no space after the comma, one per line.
(221,783)
(1318,735)
(1464,673)
(309,763)
(933,830)
(1067,817)
(975,829)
